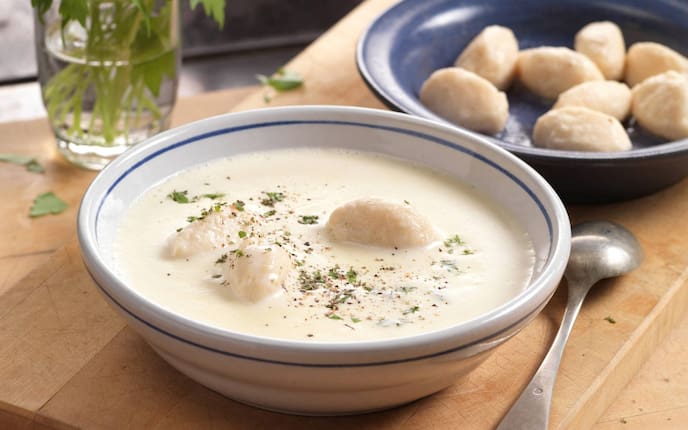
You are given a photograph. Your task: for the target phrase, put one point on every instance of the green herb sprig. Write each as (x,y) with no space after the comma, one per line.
(47,203)
(30,163)
(283,80)
(125,63)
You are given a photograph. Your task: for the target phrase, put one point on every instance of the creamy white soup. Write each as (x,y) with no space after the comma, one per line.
(322,244)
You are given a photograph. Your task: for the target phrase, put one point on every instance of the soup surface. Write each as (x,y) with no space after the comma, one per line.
(197,242)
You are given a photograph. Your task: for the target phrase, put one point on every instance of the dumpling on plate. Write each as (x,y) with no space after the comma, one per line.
(603,43)
(492,54)
(549,71)
(610,97)
(660,105)
(647,59)
(577,128)
(466,99)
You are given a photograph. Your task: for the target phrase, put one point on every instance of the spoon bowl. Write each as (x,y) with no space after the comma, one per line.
(599,250)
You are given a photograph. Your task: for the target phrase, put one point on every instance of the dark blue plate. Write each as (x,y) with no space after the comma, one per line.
(409,41)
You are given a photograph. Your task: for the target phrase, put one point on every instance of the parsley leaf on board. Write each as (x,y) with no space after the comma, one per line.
(47,203)
(283,80)
(30,163)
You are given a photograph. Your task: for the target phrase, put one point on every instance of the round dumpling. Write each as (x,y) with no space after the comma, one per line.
(466,99)
(647,59)
(254,272)
(378,222)
(660,105)
(603,43)
(492,54)
(580,129)
(206,234)
(610,97)
(549,71)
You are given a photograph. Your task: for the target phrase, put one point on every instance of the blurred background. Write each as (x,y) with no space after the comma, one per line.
(258,37)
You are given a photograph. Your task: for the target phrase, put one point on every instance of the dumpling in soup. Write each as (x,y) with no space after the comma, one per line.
(466,99)
(580,129)
(205,234)
(253,272)
(378,222)
(492,54)
(549,71)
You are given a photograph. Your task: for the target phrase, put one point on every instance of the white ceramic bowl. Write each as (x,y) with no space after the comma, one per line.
(314,377)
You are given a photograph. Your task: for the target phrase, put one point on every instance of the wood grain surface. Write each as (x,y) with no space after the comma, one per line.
(67,361)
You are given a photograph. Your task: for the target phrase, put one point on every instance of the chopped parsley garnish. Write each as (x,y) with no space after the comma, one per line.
(450,265)
(411,310)
(454,240)
(30,163)
(335,273)
(333,316)
(355,320)
(407,290)
(213,196)
(311,281)
(183,196)
(610,319)
(269,213)
(216,276)
(308,219)
(351,276)
(238,252)
(341,298)
(242,234)
(179,196)
(222,259)
(272,198)
(47,203)
(239,205)
(217,207)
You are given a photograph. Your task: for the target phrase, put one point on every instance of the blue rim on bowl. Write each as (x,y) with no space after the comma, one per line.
(180,340)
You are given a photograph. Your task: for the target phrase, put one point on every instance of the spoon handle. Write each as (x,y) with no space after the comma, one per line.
(531,410)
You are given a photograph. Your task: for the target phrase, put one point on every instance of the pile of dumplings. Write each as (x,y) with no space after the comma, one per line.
(589,99)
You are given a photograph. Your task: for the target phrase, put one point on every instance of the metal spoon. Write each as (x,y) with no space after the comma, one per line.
(599,250)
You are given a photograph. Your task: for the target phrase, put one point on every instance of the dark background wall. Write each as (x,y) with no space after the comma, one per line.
(250,25)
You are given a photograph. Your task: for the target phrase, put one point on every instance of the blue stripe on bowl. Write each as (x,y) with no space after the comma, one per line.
(414,133)
(493,336)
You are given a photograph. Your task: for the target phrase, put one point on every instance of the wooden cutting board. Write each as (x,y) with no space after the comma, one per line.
(66,360)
